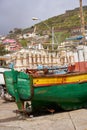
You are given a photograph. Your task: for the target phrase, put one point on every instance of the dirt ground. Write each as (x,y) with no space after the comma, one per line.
(71,120)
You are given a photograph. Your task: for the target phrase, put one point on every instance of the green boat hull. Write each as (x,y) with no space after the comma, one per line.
(66,96)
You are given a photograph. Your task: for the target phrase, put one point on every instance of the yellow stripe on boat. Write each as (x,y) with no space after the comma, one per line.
(59,79)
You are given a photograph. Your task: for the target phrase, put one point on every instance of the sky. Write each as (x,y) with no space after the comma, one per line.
(19,13)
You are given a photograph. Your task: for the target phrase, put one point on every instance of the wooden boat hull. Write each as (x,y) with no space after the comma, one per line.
(68,97)
(68,91)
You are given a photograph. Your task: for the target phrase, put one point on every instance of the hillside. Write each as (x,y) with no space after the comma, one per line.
(63,25)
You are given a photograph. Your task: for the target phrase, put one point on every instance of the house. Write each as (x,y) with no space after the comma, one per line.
(11,45)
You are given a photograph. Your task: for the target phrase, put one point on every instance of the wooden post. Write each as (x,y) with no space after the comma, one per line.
(82,21)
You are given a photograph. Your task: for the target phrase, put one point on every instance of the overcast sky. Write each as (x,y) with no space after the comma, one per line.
(19,13)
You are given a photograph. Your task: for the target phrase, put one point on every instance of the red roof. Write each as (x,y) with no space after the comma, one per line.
(9,41)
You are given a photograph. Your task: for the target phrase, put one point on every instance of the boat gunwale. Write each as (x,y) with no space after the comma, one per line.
(59,75)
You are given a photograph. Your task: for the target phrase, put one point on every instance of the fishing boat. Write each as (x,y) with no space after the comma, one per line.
(67,91)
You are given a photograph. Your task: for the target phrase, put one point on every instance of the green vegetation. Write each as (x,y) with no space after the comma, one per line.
(23,42)
(63,24)
(2,50)
(62,35)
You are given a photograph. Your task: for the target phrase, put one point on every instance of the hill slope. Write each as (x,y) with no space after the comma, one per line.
(63,24)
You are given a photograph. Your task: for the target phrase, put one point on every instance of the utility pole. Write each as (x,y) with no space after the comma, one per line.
(82,29)
(82,19)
